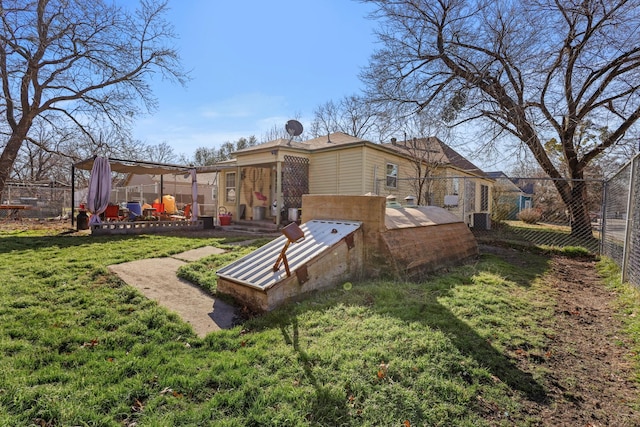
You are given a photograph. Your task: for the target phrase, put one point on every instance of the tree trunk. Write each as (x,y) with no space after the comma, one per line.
(574,196)
(580,221)
(10,153)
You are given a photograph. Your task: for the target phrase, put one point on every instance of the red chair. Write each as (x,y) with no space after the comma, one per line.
(186,214)
(159,207)
(159,210)
(112,213)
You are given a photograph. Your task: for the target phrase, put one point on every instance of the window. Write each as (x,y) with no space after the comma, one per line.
(455,184)
(484,198)
(392,175)
(230,184)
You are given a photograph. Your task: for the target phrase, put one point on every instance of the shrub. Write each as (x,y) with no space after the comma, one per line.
(501,211)
(530,216)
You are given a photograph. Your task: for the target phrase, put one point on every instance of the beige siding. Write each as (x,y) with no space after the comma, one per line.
(361,169)
(323,173)
(408,173)
(376,170)
(256,159)
(373,169)
(350,172)
(336,172)
(268,157)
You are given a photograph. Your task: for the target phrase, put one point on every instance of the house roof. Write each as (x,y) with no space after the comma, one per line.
(497,174)
(439,151)
(322,142)
(522,185)
(220,166)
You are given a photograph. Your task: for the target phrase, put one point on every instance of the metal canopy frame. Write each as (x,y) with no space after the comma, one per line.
(135,167)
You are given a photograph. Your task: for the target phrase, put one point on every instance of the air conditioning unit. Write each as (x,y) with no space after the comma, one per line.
(451,200)
(480,221)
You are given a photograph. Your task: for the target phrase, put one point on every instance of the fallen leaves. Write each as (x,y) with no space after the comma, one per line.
(382,370)
(90,344)
(172,392)
(137,406)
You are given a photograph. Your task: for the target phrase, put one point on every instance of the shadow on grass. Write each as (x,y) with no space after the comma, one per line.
(12,243)
(325,398)
(471,344)
(540,235)
(429,311)
(421,304)
(62,241)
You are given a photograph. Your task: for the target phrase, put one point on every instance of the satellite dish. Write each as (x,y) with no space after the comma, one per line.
(294,128)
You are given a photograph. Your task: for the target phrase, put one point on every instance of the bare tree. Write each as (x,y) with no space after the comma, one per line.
(424,151)
(532,69)
(41,162)
(203,156)
(48,152)
(353,115)
(74,64)
(161,153)
(426,158)
(210,156)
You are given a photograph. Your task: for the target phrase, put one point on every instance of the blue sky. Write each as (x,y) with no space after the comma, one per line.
(255,64)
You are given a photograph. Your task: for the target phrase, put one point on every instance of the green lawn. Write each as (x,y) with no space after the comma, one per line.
(80,347)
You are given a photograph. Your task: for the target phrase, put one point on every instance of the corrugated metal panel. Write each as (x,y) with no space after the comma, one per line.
(256,269)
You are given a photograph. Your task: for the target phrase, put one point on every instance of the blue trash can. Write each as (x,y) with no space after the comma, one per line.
(135,210)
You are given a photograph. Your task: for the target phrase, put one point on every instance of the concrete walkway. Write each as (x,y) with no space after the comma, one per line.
(156,279)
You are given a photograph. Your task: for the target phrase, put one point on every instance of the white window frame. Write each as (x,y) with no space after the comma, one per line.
(230,195)
(484,198)
(455,184)
(391,175)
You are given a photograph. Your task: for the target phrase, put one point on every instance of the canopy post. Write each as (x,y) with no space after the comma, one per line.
(73,193)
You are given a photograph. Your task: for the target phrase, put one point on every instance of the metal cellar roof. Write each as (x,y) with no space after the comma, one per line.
(256,269)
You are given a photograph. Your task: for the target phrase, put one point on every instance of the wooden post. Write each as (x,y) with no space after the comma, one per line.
(294,234)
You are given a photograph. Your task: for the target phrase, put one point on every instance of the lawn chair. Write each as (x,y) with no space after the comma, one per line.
(112,213)
(186,214)
(159,210)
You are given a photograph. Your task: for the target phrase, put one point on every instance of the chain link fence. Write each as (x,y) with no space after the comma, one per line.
(530,211)
(42,200)
(52,201)
(181,192)
(621,221)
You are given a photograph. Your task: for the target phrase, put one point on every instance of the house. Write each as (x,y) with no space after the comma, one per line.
(267,181)
(510,196)
(448,179)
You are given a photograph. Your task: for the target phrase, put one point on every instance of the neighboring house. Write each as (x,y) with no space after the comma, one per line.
(510,196)
(272,177)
